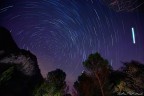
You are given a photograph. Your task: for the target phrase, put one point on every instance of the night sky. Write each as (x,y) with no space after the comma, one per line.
(62,33)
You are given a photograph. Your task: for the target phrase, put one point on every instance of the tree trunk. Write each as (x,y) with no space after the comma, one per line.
(102,92)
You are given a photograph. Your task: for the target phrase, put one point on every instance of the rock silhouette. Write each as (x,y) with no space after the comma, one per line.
(19,70)
(6,41)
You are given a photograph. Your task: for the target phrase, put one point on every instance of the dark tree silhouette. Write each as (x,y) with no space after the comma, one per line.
(99,69)
(116,77)
(56,82)
(129,79)
(134,80)
(54,85)
(85,86)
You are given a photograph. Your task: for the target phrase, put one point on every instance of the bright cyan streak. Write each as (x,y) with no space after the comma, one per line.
(133,35)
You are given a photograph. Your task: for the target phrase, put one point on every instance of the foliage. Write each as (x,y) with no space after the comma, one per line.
(53,86)
(99,70)
(41,90)
(6,75)
(14,83)
(85,86)
(56,82)
(132,81)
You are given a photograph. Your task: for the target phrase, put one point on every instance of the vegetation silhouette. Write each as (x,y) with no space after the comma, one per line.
(98,70)
(100,79)
(54,85)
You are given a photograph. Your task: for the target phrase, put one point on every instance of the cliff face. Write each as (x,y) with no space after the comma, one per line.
(19,71)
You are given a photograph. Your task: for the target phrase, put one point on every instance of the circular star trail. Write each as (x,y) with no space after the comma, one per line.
(62,33)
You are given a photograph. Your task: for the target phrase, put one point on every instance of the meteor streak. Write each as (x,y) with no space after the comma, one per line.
(133,35)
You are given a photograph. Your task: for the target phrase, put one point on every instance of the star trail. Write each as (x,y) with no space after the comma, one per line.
(62,33)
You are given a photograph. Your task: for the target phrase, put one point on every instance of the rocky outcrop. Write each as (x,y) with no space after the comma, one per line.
(7,43)
(19,70)
(25,59)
